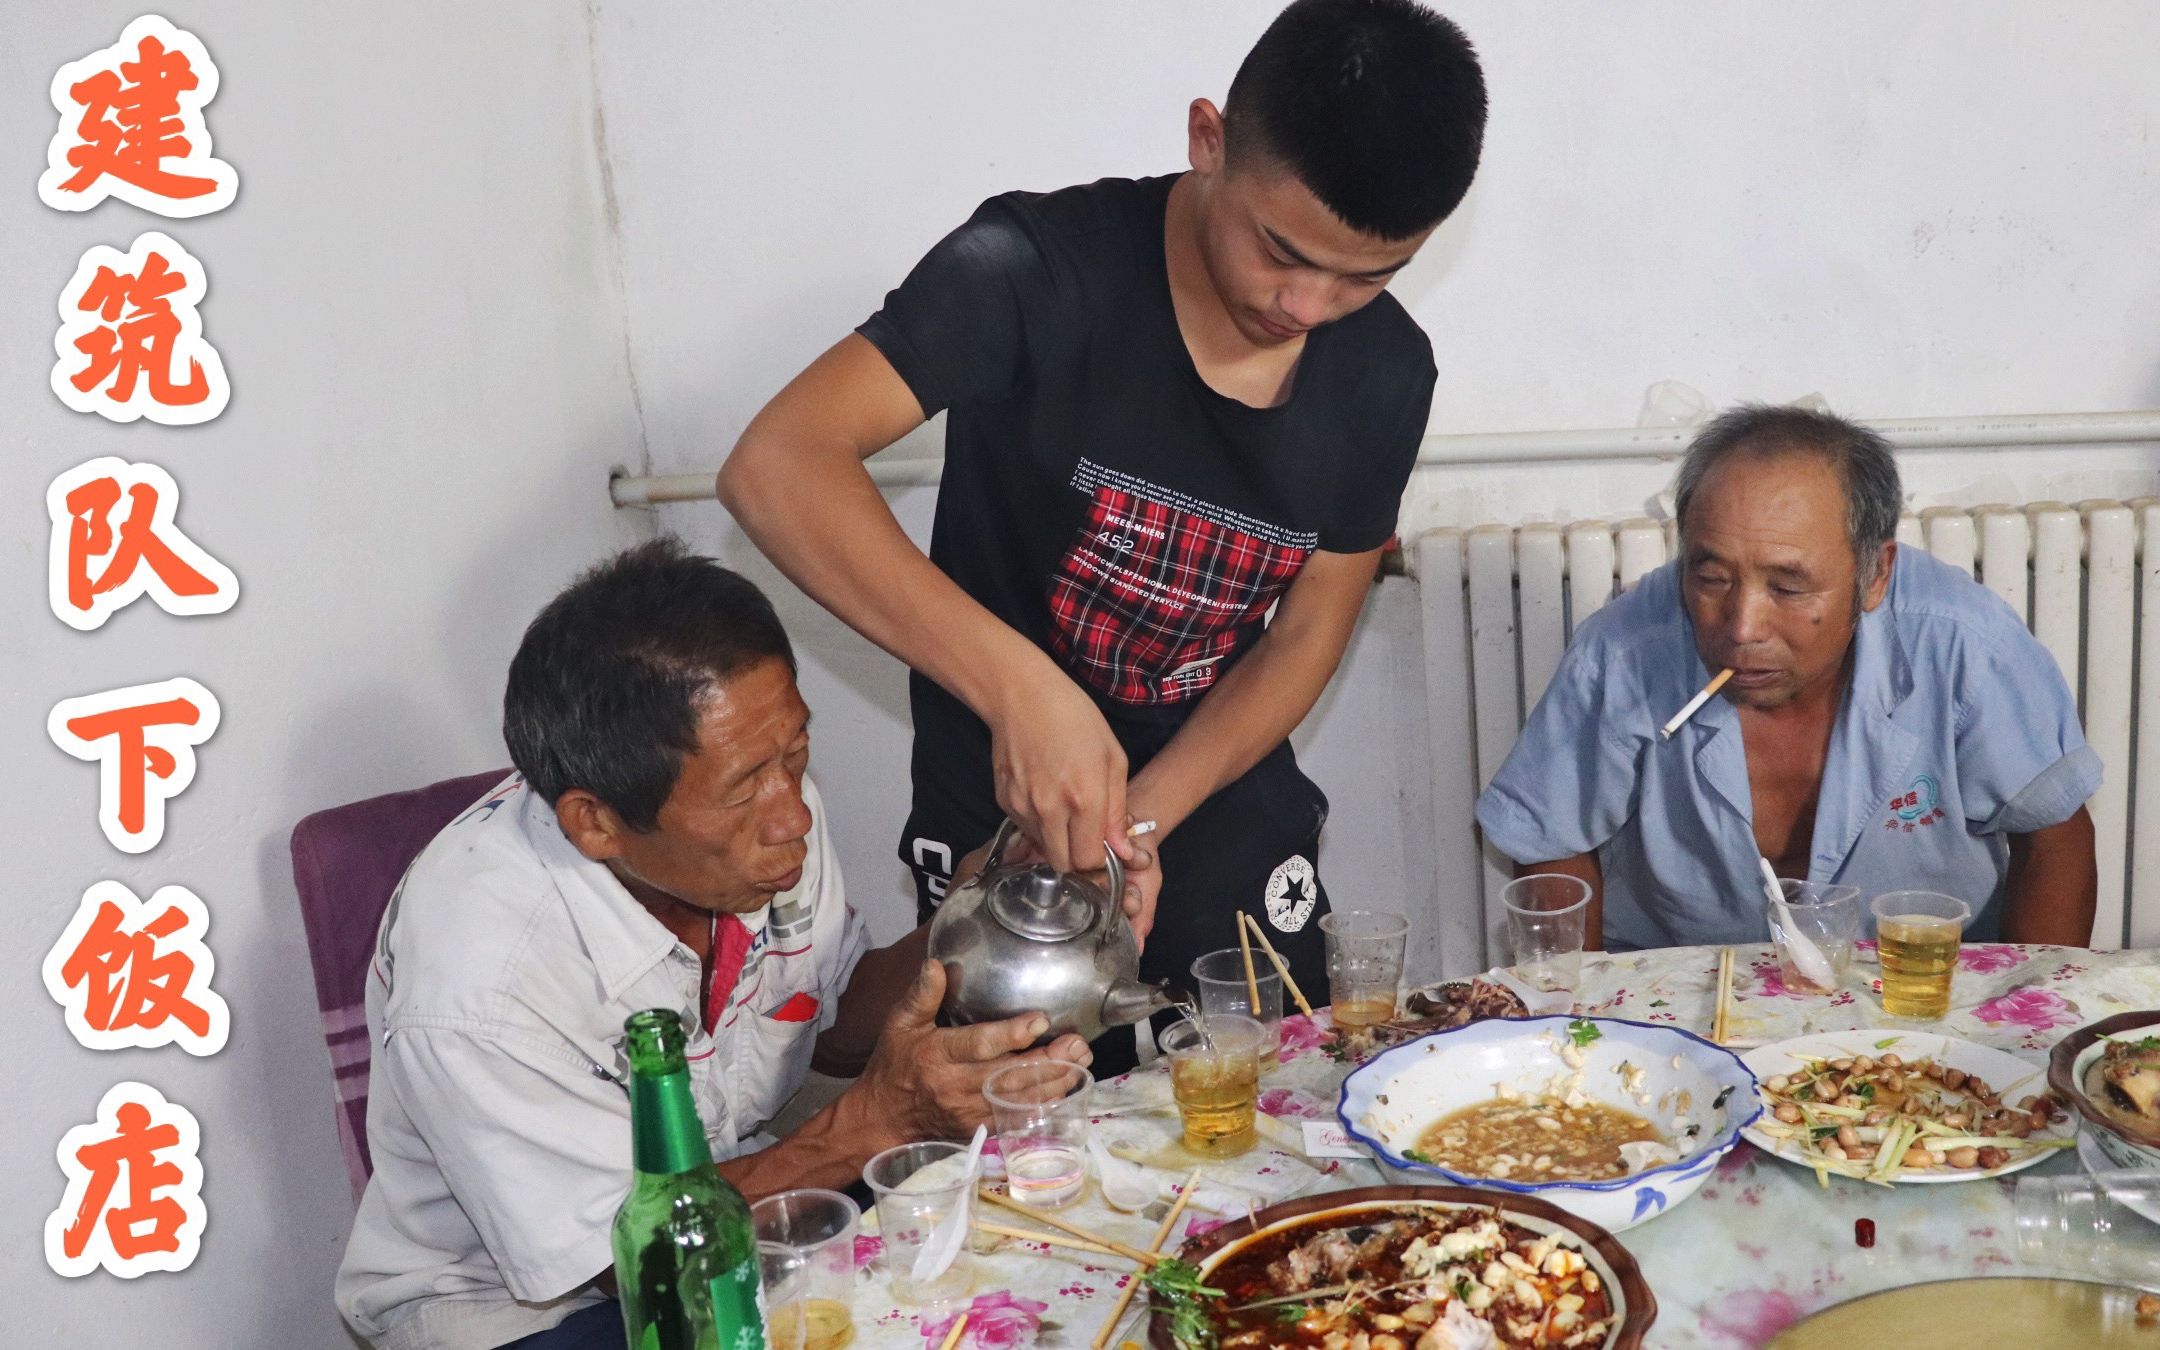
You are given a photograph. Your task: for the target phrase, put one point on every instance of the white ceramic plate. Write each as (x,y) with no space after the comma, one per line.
(2008,1075)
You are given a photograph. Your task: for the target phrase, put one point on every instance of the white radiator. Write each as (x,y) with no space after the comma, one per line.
(1500,602)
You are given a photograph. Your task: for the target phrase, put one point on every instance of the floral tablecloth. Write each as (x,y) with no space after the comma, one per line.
(1757,1248)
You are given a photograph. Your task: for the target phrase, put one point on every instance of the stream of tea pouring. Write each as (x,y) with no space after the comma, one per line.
(1184,1006)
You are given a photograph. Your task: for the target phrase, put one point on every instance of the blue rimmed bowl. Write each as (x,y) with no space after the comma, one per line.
(1698,1095)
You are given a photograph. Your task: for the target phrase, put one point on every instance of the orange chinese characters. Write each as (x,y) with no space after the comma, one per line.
(134,1189)
(132,974)
(144,737)
(113,539)
(131,342)
(131,126)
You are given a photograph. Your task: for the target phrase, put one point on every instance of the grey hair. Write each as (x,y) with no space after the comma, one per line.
(1874,497)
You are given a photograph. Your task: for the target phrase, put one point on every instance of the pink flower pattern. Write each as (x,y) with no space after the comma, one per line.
(1299,1034)
(1990,958)
(867,1249)
(2040,1009)
(999,1321)
(1750,1317)
(1289,1103)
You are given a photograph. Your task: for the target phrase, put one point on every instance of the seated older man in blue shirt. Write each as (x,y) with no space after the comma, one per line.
(1889,724)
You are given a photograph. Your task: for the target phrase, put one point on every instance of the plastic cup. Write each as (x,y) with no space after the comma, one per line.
(1039,1110)
(1216,1081)
(1546,918)
(806,1258)
(1830,918)
(1917,934)
(916,1186)
(1219,981)
(1364,964)
(2092,1226)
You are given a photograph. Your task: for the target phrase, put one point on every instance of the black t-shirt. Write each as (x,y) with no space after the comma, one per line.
(1098,495)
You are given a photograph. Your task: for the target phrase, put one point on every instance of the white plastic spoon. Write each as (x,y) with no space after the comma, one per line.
(943,1247)
(1126,1186)
(1814,967)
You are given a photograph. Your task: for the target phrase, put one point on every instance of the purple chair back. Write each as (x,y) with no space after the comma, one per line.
(346,862)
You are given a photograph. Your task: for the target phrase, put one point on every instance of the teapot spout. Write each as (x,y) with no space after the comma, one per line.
(1131,1001)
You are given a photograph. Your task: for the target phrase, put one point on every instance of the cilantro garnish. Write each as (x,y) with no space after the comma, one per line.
(1293,1312)
(1582,1031)
(1177,1284)
(1462,1290)
(1417,1155)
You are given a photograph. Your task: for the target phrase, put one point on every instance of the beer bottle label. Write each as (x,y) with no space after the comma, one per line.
(738,1308)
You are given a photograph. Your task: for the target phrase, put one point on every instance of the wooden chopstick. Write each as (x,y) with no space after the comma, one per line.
(1132,1286)
(952,1338)
(1252,982)
(1051,1239)
(1275,958)
(1124,1249)
(1720,1020)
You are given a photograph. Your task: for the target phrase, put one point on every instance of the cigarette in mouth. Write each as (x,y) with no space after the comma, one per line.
(1717,682)
(1138,828)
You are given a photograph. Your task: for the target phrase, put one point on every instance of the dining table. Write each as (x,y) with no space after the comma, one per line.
(1760,1246)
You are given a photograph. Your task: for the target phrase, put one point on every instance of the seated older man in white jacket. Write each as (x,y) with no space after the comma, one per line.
(660,846)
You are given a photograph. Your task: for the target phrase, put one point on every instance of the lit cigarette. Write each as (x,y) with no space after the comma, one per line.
(1138,828)
(1717,682)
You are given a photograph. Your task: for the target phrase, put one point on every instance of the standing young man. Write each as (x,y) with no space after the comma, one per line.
(1174,403)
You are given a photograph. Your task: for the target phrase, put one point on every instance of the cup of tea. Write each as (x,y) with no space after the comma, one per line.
(1917,935)
(806,1260)
(1215,1077)
(1364,964)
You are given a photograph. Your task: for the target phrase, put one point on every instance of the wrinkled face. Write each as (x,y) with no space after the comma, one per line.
(732,834)
(1282,263)
(1767,576)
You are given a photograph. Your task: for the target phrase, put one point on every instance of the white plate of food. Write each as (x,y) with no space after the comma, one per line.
(1904,1106)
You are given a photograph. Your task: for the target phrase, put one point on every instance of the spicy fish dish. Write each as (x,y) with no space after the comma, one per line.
(1409,1276)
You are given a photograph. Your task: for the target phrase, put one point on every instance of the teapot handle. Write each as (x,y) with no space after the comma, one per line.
(998,841)
(1007,829)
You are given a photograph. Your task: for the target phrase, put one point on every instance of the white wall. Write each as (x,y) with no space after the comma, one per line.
(1924,209)
(414,299)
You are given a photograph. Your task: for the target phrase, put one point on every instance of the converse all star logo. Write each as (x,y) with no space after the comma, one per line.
(1292,891)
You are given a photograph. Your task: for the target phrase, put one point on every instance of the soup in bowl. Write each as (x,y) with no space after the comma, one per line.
(1615,1121)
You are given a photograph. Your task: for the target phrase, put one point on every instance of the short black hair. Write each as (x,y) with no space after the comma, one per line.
(1378,106)
(1863,461)
(604,690)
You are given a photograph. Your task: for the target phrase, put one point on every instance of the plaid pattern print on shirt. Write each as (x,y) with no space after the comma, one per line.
(1158,587)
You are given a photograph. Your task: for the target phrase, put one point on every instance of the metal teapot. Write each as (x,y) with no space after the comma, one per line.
(1026,938)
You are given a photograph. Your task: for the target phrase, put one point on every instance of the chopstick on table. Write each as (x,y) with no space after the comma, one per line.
(1694,704)
(1052,1239)
(1720,1019)
(1162,1235)
(1124,1249)
(952,1338)
(1275,958)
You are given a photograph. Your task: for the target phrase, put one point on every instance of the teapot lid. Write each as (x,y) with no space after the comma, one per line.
(1037,903)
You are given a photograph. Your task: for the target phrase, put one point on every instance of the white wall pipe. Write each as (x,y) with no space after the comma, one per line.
(1517,447)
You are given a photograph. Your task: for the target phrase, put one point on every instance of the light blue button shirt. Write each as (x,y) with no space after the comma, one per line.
(1956,731)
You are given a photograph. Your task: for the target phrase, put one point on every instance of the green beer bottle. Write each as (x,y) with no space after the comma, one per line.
(686,1264)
